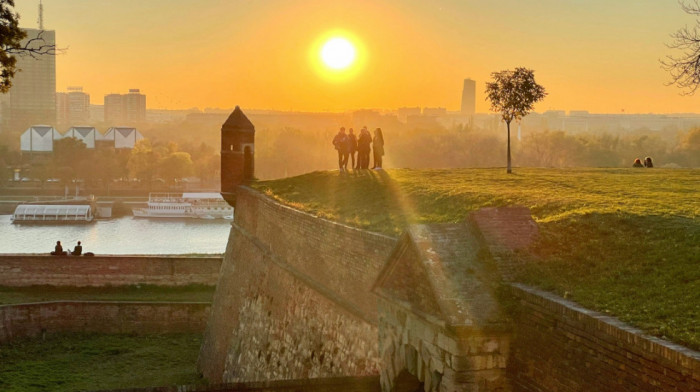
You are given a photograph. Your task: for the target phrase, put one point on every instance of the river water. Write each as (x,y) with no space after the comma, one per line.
(120,236)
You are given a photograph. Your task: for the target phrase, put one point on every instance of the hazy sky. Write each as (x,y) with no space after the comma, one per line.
(596,55)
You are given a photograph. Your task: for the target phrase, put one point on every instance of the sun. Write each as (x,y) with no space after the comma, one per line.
(338,53)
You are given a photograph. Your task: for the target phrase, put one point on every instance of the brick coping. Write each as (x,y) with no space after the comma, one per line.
(601,323)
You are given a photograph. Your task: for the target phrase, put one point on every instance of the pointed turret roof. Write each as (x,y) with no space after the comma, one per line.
(238,121)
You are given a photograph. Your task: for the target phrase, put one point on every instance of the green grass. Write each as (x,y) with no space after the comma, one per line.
(191,293)
(622,241)
(90,362)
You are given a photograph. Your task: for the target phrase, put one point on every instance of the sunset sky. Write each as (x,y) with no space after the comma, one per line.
(596,55)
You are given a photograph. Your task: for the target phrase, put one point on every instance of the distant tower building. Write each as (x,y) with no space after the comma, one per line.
(135,106)
(33,94)
(125,108)
(469,97)
(73,107)
(114,109)
(237,154)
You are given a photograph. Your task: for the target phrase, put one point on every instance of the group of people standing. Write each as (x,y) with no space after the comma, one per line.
(350,145)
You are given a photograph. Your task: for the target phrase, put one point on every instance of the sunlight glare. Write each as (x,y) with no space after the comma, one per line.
(338,53)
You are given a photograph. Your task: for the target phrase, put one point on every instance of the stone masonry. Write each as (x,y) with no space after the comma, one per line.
(294,297)
(439,318)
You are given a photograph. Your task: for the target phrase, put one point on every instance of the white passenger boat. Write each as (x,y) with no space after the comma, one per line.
(185,205)
(53,213)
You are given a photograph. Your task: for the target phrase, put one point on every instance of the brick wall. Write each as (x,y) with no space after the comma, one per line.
(29,270)
(29,320)
(293,300)
(335,384)
(560,346)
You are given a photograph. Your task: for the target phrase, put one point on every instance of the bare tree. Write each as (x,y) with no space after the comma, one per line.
(685,67)
(12,45)
(513,94)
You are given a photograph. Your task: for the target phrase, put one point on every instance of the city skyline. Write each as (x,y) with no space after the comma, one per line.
(596,56)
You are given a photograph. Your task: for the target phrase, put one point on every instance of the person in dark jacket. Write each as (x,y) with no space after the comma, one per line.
(363,148)
(648,163)
(378,149)
(78,250)
(352,148)
(58,250)
(637,163)
(340,141)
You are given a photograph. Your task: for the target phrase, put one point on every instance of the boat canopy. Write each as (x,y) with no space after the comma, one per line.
(48,212)
(202,195)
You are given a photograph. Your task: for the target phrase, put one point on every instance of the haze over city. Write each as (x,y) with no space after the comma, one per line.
(596,55)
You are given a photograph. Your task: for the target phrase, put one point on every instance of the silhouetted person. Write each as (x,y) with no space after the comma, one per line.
(58,250)
(363,148)
(637,163)
(340,141)
(378,149)
(648,163)
(78,250)
(352,146)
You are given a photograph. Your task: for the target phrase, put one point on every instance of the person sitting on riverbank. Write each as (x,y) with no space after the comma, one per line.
(58,250)
(78,250)
(637,163)
(648,163)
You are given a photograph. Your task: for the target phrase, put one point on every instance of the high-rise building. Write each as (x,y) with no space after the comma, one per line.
(469,97)
(114,109)
(32,98)
(125,108)
(73,107)
(135,103)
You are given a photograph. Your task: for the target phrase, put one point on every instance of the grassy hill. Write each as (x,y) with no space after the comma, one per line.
(622,241)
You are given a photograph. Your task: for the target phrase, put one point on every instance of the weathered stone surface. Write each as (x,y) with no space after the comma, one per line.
(40,270)
(294,298)
(28,320)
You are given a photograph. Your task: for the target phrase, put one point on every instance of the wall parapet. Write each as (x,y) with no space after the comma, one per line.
(19,270)
(34,319)
(558,342)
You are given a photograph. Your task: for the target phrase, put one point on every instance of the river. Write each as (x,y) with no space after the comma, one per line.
(120,236)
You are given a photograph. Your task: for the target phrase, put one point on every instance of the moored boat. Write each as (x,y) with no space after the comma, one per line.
(185,205)
(53,213)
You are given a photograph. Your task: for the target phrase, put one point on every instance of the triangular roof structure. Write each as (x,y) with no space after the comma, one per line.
(39,138)
(86,134)
(123,137)
(238,121)
(437,271)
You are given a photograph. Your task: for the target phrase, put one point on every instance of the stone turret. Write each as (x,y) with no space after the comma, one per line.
(237,154)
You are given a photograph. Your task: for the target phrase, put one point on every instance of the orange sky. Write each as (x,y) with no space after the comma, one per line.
(590,55)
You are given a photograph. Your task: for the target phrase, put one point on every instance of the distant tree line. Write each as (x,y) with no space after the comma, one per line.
(285,151)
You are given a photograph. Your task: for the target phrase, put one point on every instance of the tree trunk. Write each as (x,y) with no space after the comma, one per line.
(508,170)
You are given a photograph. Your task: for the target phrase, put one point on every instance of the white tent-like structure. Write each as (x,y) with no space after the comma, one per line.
(52,213)
(87,135)
(39,138)
(123,137)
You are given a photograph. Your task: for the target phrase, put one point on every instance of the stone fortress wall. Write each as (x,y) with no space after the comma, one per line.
(294,297)
(294,300)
